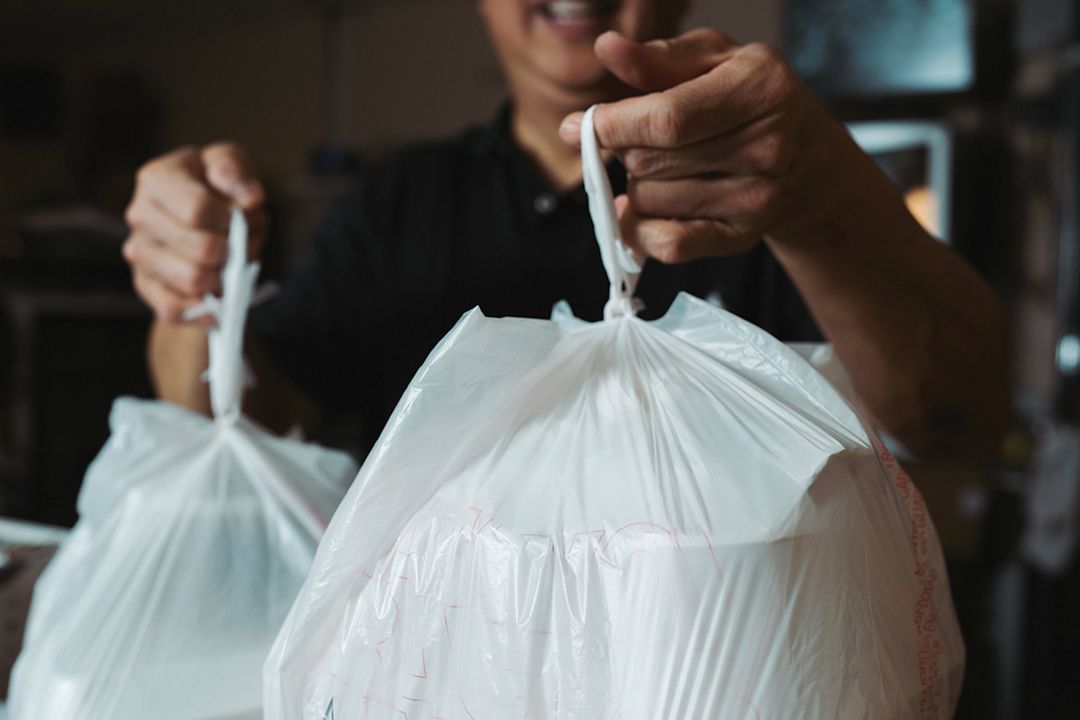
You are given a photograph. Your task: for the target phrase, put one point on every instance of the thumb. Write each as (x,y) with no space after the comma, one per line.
(661,64)
(230,172)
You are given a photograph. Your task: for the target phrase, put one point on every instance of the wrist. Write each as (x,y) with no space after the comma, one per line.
(177,355)
(838,190)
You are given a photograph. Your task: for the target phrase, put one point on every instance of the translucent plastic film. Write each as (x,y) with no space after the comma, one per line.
(194,536)
(627,520)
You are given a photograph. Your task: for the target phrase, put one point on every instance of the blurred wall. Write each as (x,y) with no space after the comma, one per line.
(415,69)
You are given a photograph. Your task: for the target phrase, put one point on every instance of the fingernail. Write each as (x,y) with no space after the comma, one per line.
(570,126)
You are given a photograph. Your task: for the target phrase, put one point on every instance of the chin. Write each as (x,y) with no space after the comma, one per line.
(577,74)
(546,46)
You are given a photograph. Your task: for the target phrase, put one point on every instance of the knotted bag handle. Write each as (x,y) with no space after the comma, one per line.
(622,264)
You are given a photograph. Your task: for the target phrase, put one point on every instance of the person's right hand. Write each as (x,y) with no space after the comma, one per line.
(179,220)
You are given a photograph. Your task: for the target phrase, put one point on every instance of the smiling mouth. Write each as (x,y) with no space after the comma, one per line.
(577,11)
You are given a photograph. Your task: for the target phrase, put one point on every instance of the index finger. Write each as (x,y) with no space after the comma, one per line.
(743,89)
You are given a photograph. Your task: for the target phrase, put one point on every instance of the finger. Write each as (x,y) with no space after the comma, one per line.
(628,221)
(230,172)
(677,241)
(166,304)
(203,247)
(754,83)
(179,274)
(199,245)
(176,183)
(761,148)
(655,65)
(660,64)
(748,203)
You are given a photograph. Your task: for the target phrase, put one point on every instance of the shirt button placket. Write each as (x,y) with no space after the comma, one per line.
(545,203)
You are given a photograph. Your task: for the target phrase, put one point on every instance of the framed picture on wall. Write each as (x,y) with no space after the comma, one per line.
(882,48)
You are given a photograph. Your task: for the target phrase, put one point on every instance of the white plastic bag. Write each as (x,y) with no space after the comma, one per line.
(678,519)
(193,539)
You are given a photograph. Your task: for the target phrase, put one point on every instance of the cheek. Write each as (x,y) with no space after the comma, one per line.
(575,66)
(506,22)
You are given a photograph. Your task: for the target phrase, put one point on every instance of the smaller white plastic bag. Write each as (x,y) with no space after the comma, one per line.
(194,536)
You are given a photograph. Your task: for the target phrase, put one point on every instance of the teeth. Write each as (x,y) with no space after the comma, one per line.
(573,9)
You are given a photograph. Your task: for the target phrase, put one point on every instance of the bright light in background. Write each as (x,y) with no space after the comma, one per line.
(1068,355)
(917,156)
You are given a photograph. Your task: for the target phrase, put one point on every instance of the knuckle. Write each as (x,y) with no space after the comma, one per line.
(190,279)
(762,53)
(664,44)
(130,250)
(678,247)
(779,79)
(784,83)
(207,248)
(641,196)
(147,173)
(773,197)
(194,210)
(702,205)
(182,154)
(783,155)
(151,169)
(710,36)
(669,124)
(768,156)
(671,247)
(225,156)
(222,146)
(639,162)
(763,199)
(133,213)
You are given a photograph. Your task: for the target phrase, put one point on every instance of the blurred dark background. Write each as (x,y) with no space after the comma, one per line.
(973,107)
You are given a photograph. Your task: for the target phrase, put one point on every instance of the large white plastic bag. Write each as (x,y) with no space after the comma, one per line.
(193,538)
(677,519)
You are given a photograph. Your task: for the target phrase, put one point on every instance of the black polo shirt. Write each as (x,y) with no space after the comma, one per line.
(440,228)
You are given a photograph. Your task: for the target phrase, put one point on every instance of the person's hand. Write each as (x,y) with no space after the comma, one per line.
(179,220)
(726,147)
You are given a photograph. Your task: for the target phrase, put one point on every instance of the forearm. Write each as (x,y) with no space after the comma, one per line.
(177,355)
(921,334)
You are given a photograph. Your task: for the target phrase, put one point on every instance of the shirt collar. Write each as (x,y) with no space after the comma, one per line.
(495,141)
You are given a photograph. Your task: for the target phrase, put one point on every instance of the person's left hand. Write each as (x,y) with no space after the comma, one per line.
(727,147)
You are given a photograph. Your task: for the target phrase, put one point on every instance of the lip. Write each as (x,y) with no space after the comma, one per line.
(584,28)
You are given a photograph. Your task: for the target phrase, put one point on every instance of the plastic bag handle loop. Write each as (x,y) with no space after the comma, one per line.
(623,265)
(227,373)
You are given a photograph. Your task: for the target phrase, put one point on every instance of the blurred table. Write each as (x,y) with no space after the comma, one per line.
(77,342)
(25,550)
